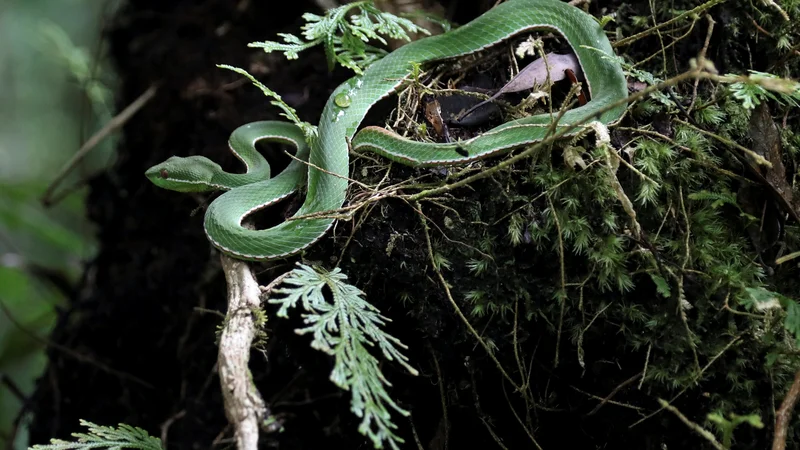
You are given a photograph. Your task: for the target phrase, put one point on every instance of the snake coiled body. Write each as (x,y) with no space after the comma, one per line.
(329,151)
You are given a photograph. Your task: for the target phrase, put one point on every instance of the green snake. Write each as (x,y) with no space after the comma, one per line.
(328,154)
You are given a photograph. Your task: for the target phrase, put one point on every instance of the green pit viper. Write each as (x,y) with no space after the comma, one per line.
(326,188)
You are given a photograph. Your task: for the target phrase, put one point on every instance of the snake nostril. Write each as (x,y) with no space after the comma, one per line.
(164,174)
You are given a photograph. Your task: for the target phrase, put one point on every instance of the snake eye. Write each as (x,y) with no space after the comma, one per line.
(164,174)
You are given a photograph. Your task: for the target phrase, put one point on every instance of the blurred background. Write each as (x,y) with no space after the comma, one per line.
(56,92)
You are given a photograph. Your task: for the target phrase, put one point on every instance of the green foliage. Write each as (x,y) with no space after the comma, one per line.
(710,115)
(87,71)
(441,262)
(717,199)
(345,41)
(766,86)
(726,426)
(110,438)
(662,287)
(478,266)
(669,287)
(310,131)
(760,298)
(79,63)
(649,79)
(54,65)
(345,327)
(516,227)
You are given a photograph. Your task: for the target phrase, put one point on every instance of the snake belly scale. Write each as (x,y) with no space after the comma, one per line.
(329,151)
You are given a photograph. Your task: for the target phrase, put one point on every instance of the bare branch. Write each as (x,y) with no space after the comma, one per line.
(244,406)
(784,414)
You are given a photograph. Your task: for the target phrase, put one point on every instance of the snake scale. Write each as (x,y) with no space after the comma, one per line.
(326,188)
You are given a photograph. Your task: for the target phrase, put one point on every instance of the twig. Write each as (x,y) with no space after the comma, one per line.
(244,406)
(641,62)
(520,366)
(168,423)
(767,33)
(778,7)
(631,167)
(328,172)
(415,434)
(682,302)
(695,427)
(586,328)
(660,38)
(646,362)
(565,130)
(614,392)
(519,419)
(80,357)
(266,290)
(13,388)
(453,303)
(701,58)
(745,157)
(691,12)
(604,142)
(442,397)
(794,50)
(609,401)
(478,409)
(10,435)
(563,279)
(745,151)
(112,125)
(785,413)
(697,378)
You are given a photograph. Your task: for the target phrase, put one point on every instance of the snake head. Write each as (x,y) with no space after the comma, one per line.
(185,174)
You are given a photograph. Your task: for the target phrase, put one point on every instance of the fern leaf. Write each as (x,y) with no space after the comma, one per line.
(344,33)
(111,438)
(345,327)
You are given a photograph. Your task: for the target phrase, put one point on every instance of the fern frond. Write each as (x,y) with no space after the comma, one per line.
(310,131)
(345,41)
(761,86)
(717,199)
(110,438)
(344,328)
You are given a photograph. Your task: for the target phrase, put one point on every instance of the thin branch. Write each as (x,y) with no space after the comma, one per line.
(690,13)
(442,397)
(519,419)
(607,400)
(701,58)
(80,357)
(118,121)
(784,414)
(697,378)
(563,279)
(646,362)
(453,303)
(565,130)
(693,426)
(614,392)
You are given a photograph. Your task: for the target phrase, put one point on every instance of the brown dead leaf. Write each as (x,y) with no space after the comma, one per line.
(767,143)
